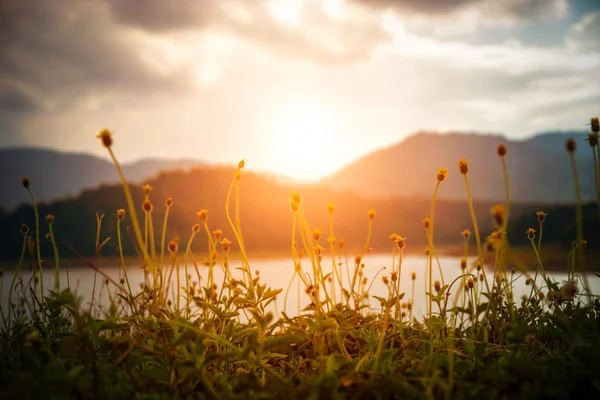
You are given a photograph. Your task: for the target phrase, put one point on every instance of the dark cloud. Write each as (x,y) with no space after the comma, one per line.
(59,49)
(419,6)
(162,16)
(13,101)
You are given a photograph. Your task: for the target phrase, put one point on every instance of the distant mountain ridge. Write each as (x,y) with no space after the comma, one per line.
(59,174)
(539,168)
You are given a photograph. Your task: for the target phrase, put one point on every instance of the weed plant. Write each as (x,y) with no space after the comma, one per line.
(175,338)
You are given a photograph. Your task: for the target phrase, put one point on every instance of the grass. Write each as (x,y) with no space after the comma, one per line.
(172,338)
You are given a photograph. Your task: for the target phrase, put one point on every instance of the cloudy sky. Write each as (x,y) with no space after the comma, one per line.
(299,87)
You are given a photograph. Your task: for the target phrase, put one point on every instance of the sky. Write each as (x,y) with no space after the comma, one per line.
(295,87)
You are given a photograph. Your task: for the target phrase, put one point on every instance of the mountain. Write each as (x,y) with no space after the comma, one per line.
(539,168)
(56,174)
(265,215)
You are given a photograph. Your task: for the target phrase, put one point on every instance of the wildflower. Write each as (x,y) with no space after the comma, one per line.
(147,206)
(530,233)
(120,214)
(317,234)
(442,174)
(571,145)
(225,244)
(48,236)
(463,166)
(147,189)
(595,123)
(25,182)
(330,207)
(436,286)
(426,223)
(427,250)
(24,229)
(296,198)
(173,246)
(196,228)
(241,164)
(553,296)
(169,202)
(365,280)
(413,275)
(106,137)
(393,236)
(466,233)
(541,216)
(501,150)
(394,276)
(203,215)
(358,259)
(385,280)
(371,215)
(478,267)
(463,263)
(470,283)
(569,290)
(400,241)
(498,213)
(592,139)
(218,233)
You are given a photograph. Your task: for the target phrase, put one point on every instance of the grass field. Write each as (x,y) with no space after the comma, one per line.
(172,338)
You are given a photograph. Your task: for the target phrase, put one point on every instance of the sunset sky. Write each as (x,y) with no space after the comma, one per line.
(297,87)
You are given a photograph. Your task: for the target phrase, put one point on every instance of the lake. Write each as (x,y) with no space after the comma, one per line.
(277,274)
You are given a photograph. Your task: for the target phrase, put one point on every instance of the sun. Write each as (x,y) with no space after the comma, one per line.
(305,141)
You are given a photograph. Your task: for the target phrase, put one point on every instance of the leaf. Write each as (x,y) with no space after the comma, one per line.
(271,293)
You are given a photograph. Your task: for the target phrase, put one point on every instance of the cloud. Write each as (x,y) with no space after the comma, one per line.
(584,36)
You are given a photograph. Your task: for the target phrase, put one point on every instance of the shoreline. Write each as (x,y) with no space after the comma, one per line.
(553,258)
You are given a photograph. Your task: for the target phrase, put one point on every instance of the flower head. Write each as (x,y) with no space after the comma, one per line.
(330,207)
(241,164)
(400,241)
(466,233)
(570,145)
(218,233)
(592,139)
(436,286)
(413,275)
(371,215)
(296,198)
(120,214)
(341,243)
(106,137)
(169,202)
(49,218)
(501,150)
(595,123)
(293,206)
(442,174)
(203,215)
(541,216)
(25,182)
(569,290)
(147,189)
(498,213)
(463,263)
(24,229)
(225,244)
(174,245)
(426,223)
(463,166)
(316,233)
(196,228)
(530,233)
(147,206)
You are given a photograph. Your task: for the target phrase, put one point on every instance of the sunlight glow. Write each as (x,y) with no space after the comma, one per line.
(288,11)
(306,138)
